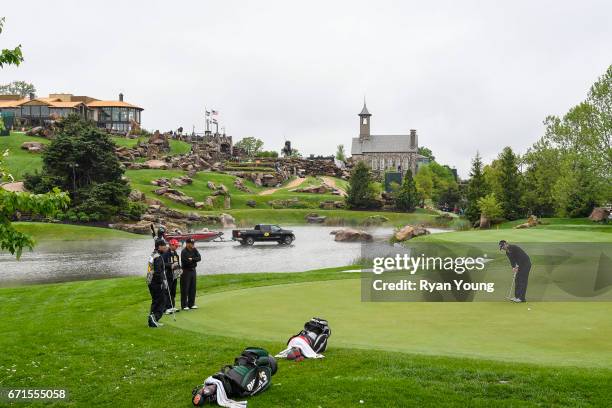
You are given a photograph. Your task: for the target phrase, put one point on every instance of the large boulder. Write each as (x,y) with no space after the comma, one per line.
(33,147)
(532,221)
(209,202)
(141,227)
(156,164)
(599,214)
(322,189)
(136,195)
(351,235)
(314,218)
(227,221)
(182,199)
(485,222)
(409,232)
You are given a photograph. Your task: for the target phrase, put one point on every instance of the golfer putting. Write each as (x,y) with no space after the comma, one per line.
(521,265)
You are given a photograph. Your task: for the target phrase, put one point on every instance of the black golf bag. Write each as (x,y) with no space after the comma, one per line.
(251,374)
(316,332)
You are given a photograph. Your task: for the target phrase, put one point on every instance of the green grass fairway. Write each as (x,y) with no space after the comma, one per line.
(537,234)
(550,333)
(91,338)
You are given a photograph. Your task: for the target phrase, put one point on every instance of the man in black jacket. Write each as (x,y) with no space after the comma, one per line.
(521,265)
(173,271)
(189,260)
(156,278)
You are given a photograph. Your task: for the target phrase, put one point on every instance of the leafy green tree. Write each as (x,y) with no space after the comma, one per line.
(576,191)
(580,142)
(8,56)
(340,154)
(361,192)
(424,182)
(477,188)
(407,199)
(541,174)
(426,152)
(81,159)
(489,207)
(267,153)
(20,88)
(250,145)
(510,183)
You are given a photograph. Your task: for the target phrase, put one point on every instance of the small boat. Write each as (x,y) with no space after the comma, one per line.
(203,236)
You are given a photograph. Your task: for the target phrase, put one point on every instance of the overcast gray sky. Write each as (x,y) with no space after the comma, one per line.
(467,75)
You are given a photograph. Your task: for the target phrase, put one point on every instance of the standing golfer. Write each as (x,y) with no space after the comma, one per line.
(173,271)
(189,260)
(521,265)
(156,278)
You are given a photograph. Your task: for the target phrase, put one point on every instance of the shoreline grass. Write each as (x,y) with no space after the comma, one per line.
(41,231)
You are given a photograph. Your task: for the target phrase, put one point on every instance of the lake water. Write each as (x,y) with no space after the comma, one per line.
(61,261)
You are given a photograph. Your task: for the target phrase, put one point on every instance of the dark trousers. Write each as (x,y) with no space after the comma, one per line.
(158,300)
(188,288)
(520,282)
(172,289)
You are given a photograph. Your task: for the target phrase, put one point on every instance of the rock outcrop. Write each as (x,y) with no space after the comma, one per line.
(314,218)
(409,232)
(599,214)
(351,235)
(532,221)
(33,147)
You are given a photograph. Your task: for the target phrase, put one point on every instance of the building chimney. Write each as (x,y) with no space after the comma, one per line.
(32,96)
(413,139)
(121,97)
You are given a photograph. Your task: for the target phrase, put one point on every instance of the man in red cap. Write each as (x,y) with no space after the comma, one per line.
(173,272)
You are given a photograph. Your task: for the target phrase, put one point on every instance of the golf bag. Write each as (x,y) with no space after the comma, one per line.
(251,374)
(316,332)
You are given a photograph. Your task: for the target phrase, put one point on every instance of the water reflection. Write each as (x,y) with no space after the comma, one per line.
(81,260)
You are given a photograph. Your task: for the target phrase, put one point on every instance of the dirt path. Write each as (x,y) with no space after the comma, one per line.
(332,183)
(292,184)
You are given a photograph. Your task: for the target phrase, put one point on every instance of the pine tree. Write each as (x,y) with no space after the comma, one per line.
(477,188)
(407,199)
(510,182)
(361,193)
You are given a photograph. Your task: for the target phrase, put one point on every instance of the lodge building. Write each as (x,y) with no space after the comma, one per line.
(115,116)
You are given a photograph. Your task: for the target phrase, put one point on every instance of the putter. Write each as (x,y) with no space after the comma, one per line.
(511,288)
(169,295)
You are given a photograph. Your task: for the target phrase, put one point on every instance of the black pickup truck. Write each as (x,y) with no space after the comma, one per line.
(263,233)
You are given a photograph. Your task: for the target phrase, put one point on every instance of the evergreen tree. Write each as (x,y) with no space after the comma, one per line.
(407,199)
(81,159)
(510,182)
(477,188)
(361,193)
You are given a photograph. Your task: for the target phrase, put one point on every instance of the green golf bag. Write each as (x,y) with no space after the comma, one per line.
(250,374)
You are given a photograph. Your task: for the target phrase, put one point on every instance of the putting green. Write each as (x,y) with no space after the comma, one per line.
(546,333)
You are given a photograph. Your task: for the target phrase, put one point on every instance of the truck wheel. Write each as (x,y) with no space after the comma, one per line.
(288,240)
(249,240)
